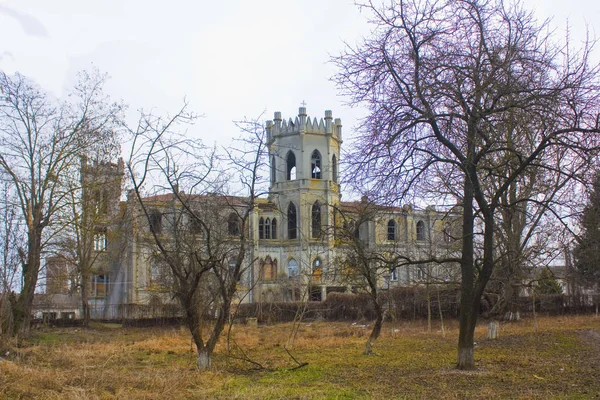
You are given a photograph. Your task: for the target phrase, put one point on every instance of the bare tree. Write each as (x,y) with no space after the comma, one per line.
(200,234)
(442,81)
(42,141)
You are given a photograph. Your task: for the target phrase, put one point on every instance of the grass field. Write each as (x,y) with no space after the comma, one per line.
(560,359)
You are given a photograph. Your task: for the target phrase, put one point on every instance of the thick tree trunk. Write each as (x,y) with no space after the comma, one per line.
(203,351)
(467,323)
(23,307)
(204,359)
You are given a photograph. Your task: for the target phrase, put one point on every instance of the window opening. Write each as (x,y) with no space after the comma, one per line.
(155,221)
(420,231)
(334,168)
(100,240)
(274,229)
(391,230)
(268,229)
(291,214)
(316,220)
(315,165)
(291,166)
(233,225)
(261,228)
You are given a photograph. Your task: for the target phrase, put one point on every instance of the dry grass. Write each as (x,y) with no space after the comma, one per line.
(560,360)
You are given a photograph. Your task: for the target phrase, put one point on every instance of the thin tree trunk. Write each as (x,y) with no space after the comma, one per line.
(376,327)
(468,315)
(428,309)
(85,295)
(441,314)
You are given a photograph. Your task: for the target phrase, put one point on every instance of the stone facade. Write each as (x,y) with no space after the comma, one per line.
(292,232)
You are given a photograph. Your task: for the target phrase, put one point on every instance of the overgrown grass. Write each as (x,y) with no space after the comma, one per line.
(558,360)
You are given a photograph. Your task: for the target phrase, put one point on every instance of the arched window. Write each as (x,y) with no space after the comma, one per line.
(334,171)
(291,215)
(100,239)
(155,221)
(317,269)
(315,165)
(291,166)
(273,175)
(293,270)
(316,220)
(268,229)
(233,225)
(391,230)
(420,231)
(274,229)
(261,228)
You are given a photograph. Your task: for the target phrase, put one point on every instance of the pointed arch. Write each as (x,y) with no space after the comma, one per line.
(274,228)
(290,161)
(292,221)
(316,220)
(315,164)
(267,228)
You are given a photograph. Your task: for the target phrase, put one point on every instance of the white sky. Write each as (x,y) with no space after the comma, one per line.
(229,58)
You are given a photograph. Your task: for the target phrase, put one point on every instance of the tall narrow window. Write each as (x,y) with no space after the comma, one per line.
(291,214)
(274,229)
(315,165)
(316,220)
(420,231)
(391,230)
(273,175)
(334,171)
(155,221)
(233,225)
(267,228)
(290,166)
(261,228)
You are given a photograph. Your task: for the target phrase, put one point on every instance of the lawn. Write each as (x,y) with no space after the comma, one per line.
(559,359)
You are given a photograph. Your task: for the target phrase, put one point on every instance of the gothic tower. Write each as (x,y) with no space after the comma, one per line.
(304,159)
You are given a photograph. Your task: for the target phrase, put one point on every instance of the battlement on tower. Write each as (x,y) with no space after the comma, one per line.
(303,124)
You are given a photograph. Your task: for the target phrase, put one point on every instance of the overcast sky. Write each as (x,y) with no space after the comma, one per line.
(230,59)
